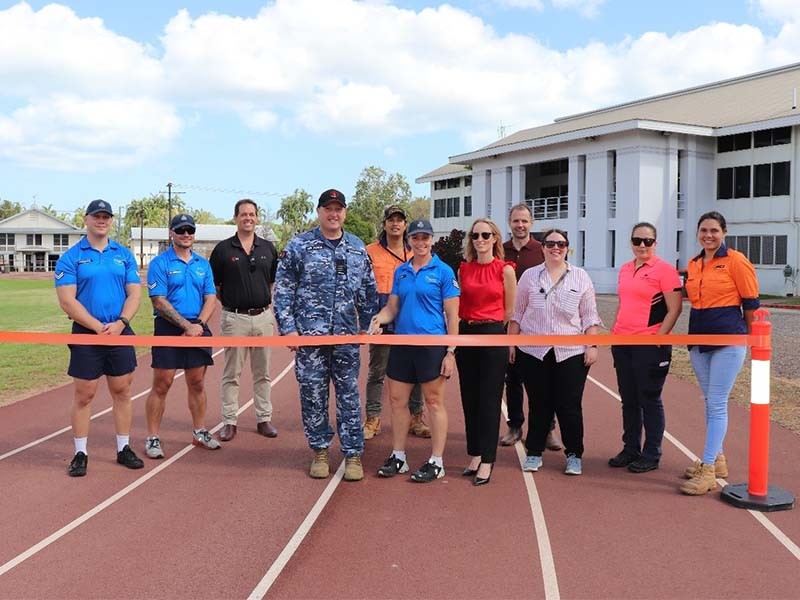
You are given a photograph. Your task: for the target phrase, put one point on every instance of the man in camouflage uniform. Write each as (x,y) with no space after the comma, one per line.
(325,286)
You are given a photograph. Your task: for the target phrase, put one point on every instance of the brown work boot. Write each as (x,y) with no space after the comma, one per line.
(320,466)
(372,427)
(353,471)
(720,468)
(702,483)
(553,442)
(418,427)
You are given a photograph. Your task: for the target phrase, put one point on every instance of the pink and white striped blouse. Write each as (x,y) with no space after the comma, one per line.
(563,307)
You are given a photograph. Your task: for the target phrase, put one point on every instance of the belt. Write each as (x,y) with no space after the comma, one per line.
(484,322)
(246,311)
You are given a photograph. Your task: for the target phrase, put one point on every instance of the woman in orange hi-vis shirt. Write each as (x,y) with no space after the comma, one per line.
(722,287)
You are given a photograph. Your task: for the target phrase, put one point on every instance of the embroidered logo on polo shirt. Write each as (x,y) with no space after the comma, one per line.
(59,275)
(153,285)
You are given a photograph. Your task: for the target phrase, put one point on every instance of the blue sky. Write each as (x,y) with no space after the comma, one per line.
(225,99)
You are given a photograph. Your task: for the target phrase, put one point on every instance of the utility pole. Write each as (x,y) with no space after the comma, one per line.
(169,201)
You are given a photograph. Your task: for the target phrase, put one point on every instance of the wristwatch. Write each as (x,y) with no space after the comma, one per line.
(124,321)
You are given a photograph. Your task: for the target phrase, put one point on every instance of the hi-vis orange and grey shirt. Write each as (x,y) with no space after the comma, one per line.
(719,291)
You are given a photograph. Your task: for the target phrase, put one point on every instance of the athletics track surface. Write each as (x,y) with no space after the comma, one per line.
(247,521)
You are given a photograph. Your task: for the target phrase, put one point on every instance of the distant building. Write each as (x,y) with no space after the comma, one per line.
(34,240)
(730,146)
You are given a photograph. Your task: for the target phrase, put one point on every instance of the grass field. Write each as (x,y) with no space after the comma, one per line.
(31,305)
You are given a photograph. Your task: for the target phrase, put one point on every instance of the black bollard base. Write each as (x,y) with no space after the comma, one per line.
(776,498)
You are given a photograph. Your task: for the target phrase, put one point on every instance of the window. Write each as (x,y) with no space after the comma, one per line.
(772,137)
(760,249)
(7,241)
(467,206)
(468,181)
(554,167)
(780,178)
(456,206)
(582,239)
(771,179)
(724,183)
(453,183)
(33,239)
(438,208)
(439,185)
(452,207)
(60,239)
(612,242)
(741,182)
(739,141)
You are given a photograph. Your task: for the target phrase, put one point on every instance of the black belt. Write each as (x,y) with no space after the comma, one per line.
(484,322)
(246,311)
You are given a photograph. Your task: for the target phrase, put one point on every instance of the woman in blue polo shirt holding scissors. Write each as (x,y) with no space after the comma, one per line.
(424,301)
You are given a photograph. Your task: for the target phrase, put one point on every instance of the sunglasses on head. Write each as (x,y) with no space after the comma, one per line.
(184,230)
(554,243)
(637,241)
(483,234)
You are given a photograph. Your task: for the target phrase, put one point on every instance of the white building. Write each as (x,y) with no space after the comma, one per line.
(33,240)
(730,146)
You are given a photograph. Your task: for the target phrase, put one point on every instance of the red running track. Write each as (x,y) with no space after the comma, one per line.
(230,524)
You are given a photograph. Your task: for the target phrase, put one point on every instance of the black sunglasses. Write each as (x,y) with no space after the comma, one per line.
(184,230)
(637,241)
(553,244)
(484,234)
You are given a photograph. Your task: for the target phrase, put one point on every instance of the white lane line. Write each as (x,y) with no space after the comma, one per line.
(776,532)
(294,543)
(50,436)
(549,578)
(36,548)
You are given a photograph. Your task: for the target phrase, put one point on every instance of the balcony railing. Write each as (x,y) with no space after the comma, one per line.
(552,207)
(583,205)
(612,205)
(681,206)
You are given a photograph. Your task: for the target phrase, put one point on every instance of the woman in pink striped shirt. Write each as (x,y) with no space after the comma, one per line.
(555,298)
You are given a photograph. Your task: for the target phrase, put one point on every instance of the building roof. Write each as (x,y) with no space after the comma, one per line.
(34,220)
(448,170)
(767,97)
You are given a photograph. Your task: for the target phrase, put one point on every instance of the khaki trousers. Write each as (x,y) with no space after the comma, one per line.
(234,324)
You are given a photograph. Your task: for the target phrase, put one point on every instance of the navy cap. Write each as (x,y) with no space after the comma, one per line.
(182,220)
(420,226)
(98,206)
(329,196)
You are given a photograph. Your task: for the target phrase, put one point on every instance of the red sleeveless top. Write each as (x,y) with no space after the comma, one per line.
(482,291)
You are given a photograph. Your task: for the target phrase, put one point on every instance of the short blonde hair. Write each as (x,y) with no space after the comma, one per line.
(497,247)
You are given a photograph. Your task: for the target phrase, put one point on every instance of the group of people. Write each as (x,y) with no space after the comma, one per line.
(327,282)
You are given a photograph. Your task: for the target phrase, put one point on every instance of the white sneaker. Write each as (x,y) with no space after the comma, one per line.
(532,464)
(152,447)
(573,465)
(203,439)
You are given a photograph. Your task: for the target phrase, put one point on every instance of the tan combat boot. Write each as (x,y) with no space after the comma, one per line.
(418,427)
(702,483)
(720,468)
(372,427)
(353,471)
(320,466)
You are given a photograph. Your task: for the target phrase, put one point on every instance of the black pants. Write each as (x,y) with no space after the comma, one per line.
(481,371)
(554,388)
(514,397)
(641,372)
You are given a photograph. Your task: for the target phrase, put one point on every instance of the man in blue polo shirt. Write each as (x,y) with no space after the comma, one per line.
(98,286)
(182,291)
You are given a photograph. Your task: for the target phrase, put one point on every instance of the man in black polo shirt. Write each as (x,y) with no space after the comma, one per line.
(244,270)
(526,252)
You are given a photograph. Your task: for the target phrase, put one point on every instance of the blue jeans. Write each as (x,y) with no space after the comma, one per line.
(716,373)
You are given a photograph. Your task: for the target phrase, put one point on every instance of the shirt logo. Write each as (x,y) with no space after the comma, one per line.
(719,267)
(59,275)
(84,261)
(153,285)
(455,284)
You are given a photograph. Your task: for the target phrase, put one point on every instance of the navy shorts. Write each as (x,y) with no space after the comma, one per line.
(91,362)
(415,364)
(167,357)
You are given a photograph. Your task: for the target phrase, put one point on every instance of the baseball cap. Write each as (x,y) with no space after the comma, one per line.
(420,226)
(182,220)
(98,206)
(329,196)
(394,210)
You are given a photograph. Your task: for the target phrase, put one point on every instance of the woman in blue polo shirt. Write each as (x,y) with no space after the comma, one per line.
(424,301)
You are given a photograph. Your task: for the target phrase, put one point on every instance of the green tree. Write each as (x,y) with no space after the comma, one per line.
(359,227)
(9,209)
(419,208)
(294,211)
(205,217)
(375,190)
(450,249)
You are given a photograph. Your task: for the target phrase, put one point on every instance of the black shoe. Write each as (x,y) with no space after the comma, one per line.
(392,467)
(623,459)
(427,473)
(129,459)
(483,480)
(643,465)
(77,468)
(467,472)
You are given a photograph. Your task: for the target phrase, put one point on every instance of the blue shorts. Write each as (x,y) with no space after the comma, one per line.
(167,357)
(91,362)
(415,364)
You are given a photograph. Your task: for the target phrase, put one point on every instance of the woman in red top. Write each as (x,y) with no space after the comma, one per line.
(488,286)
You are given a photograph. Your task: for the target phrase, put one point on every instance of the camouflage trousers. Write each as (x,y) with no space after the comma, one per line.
(315,368)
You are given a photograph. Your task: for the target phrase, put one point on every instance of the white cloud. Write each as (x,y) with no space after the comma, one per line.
(779,10)
(537,5)
(586,8)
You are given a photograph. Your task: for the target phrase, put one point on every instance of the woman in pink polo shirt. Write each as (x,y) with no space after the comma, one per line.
(649,292)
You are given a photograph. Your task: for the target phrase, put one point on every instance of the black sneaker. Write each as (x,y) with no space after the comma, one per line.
(427,473)
(392,467)
(643,465)
(77,468)
(623,459)
(129,459)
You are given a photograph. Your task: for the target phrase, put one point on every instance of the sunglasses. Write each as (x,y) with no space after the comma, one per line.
(553,244)
(483,234)
(637,241)
(184,230)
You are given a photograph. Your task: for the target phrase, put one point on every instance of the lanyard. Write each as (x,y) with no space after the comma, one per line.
(554,286)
